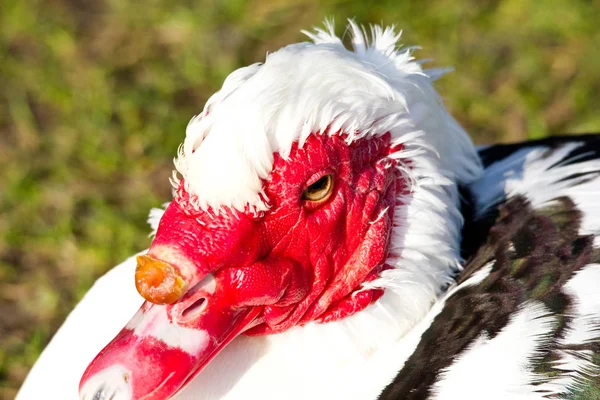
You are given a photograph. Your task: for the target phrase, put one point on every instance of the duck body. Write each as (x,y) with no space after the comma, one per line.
(432,270)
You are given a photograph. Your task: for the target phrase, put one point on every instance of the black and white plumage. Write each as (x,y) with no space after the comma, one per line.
(523,320)
(494,287)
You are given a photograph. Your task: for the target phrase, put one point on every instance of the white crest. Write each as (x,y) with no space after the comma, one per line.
(307,88)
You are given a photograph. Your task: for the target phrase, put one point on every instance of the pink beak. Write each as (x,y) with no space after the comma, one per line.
(164,346)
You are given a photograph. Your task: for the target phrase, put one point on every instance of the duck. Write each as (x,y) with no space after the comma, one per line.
(334,233)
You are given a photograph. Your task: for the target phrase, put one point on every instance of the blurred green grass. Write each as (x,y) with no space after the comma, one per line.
(95,97)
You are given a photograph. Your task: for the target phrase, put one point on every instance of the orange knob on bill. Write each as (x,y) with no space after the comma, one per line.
(157,281)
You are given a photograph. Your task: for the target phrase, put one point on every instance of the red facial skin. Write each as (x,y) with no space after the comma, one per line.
(300,261)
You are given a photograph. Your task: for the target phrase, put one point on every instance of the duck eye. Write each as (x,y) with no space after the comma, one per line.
(320,190)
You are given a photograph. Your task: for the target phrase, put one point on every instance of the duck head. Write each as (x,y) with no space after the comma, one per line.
(291,180)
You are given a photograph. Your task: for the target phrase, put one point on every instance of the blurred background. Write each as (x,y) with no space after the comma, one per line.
(95,96)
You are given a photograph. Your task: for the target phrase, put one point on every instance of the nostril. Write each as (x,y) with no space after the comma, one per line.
(194,303)
(193,310)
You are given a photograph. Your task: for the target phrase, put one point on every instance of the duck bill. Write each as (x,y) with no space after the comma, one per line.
(164,346)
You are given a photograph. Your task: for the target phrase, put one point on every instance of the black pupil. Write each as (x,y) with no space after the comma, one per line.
(319,185)
(318,190)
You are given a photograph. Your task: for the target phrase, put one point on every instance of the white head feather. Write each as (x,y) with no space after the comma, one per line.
(318,87)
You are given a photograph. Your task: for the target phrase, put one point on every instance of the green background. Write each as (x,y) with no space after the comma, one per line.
(95,97)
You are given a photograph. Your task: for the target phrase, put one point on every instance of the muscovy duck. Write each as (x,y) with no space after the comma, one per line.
(335,234)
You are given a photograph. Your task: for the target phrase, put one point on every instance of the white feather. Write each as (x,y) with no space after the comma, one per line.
(307,88)
(500,368)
